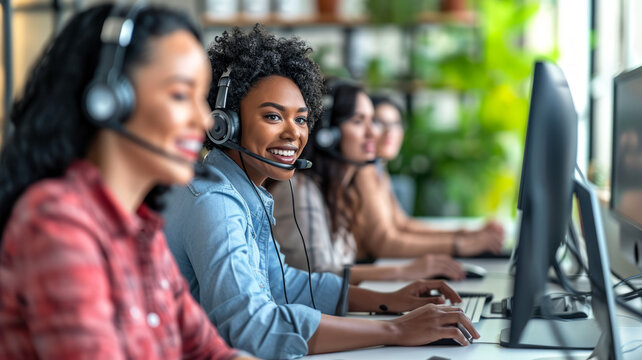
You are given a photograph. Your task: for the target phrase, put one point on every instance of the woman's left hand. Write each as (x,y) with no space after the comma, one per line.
(418,294)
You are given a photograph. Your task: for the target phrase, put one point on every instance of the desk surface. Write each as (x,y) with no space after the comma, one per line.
(498,282)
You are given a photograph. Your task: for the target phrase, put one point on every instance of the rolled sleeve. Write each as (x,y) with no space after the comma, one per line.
(326,287)
(217,240)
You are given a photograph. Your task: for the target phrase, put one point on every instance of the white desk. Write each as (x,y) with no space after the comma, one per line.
(498,282)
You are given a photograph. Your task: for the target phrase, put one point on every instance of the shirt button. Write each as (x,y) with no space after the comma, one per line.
(153,320)
(164,284)
(135,312)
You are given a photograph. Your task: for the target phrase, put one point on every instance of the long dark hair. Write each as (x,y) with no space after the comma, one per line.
(51,130)
(342,199)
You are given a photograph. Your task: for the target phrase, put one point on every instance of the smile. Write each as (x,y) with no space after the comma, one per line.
(280,152)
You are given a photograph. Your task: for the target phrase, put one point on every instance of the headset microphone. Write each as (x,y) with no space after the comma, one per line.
(198,170)
(299,164)
(337,156)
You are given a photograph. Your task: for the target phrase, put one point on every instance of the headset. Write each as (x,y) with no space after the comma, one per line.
(227,128)
(109,99)
(327,139)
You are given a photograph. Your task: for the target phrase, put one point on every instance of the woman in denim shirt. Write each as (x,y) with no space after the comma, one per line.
(218,227)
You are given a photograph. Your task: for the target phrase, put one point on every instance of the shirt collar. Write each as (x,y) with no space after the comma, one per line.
(108,210)
(242,184)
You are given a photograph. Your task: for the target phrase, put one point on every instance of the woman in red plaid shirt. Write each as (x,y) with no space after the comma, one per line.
(84,268)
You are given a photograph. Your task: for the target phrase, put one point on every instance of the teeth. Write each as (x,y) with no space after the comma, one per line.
(190,145)
(282,152)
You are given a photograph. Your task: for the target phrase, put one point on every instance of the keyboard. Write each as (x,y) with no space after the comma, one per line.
(473,304)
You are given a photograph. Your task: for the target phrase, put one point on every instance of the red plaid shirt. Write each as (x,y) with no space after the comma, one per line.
(80,278)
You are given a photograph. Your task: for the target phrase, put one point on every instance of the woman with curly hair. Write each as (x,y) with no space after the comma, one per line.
(84,267)
(219,227)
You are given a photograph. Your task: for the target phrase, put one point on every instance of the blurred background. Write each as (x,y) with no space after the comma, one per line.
(461,69)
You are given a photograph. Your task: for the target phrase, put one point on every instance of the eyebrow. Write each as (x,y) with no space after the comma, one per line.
(179,78)
(281,107)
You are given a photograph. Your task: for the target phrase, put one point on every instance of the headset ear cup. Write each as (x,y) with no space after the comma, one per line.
(100,103)
(235,129)
(327,138)
(226,127)
(107,104)
(126,99)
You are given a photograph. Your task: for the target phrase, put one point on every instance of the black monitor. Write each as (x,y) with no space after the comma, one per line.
(546,192)
(626,165)
(550,154)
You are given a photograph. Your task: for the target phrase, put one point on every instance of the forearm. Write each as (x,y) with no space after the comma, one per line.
(341,334)
(393,243)
(359,273)
(364,300)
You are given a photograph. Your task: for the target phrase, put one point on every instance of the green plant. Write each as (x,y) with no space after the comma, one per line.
(472,167)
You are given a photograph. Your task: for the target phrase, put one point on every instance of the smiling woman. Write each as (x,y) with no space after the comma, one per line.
(219,226)
(110,113)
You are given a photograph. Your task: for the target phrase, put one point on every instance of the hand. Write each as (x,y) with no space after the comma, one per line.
(488,238)
(431,265)
(430,323)
(418,294)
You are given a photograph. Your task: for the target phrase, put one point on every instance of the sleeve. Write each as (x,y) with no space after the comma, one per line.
(58,273)
(216,233)
(326,287)
(376,232)
(200,340)
(311,216)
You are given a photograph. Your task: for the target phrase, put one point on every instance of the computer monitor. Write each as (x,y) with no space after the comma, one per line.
(547,189)
(626,165)
(550,154)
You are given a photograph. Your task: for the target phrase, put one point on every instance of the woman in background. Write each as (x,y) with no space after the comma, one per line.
(385,230)
(84,267)
(328,203)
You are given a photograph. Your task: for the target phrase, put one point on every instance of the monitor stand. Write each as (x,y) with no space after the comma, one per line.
(582,334)
(599,333)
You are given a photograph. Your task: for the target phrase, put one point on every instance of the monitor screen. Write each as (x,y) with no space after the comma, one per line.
(626,179)
(546,188)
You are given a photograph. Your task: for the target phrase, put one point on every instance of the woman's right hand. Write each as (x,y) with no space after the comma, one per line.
(488,239)
(430,323)
(430,266)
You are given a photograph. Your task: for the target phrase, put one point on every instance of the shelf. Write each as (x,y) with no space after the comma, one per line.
(460,17)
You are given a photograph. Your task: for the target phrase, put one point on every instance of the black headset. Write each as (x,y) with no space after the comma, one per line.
(227,127)
(109,98)
(327,137)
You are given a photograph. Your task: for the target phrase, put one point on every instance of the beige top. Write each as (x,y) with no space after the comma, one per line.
(384,230)
(327,252)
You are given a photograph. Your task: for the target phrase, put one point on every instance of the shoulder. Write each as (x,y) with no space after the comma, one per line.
(368,179)
(50,199)
(52,220)
(203,205)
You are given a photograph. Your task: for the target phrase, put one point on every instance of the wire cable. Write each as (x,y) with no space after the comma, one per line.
(305,249)
(278,255)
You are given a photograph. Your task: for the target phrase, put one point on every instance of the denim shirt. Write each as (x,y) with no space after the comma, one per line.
(220,236)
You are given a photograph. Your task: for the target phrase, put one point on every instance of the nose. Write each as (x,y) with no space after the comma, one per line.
(372,129)
(290,130)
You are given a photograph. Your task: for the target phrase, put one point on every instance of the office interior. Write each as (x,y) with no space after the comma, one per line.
(461,69)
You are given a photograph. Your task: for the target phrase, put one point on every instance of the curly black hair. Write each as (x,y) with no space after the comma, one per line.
(51,129)
(257,54)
